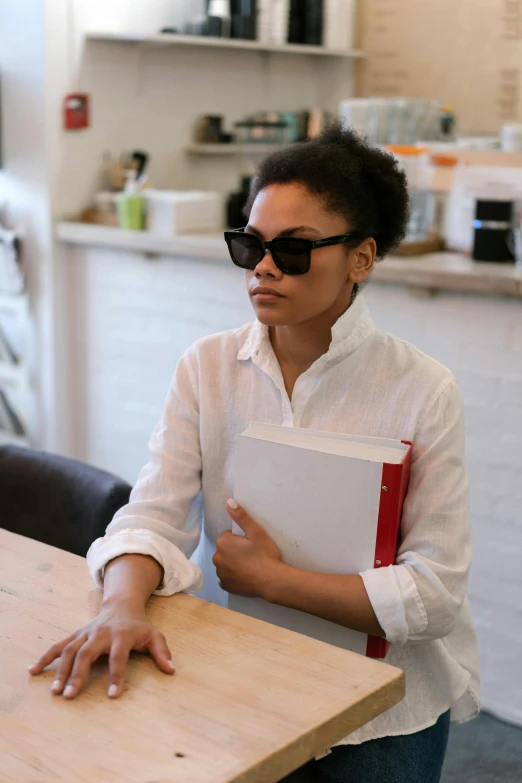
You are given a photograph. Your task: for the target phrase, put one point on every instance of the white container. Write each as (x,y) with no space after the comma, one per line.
(280,21)
(339,24)
(171,212)
(264,21)
(220,8)
(469,184)
(511,138)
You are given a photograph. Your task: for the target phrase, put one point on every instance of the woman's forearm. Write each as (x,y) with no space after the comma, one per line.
(342,599)
(131,579)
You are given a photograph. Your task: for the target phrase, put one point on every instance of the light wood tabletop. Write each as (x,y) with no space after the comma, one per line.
(249,702)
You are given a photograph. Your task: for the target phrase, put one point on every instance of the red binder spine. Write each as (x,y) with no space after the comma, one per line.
(393,491)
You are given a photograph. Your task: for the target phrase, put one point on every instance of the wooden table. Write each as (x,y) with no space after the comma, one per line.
(249,703)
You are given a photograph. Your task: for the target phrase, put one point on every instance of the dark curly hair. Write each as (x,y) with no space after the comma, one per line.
(362,182)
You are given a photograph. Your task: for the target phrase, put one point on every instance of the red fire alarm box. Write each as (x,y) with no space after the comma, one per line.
(76,111)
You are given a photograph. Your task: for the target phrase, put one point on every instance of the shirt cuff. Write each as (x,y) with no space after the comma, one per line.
(396,602)
(179,574)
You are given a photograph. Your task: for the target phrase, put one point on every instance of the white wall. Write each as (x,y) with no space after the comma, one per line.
(480,339)
(133,318)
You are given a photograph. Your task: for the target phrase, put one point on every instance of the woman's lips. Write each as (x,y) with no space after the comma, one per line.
(262,294)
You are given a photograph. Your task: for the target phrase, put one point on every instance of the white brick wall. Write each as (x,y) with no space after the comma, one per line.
(133,318)
(480,340)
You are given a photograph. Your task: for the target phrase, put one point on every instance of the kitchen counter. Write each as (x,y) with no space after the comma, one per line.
(423,274)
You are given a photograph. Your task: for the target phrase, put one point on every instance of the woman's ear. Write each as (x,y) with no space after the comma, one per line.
(362,260)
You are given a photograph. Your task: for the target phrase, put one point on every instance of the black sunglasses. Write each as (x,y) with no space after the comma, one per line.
(292,255)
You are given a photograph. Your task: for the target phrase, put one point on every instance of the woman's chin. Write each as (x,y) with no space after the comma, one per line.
(270,316)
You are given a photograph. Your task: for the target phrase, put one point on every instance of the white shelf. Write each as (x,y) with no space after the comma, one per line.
(167,39)
(209,247)
(234,149)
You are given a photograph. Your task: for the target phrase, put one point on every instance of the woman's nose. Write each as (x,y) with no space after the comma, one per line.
(267,266)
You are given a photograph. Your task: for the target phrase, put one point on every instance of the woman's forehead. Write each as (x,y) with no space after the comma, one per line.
(282,207)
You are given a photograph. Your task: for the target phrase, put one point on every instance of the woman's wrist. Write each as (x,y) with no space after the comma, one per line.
(274,581)
(129,580)
(127,603)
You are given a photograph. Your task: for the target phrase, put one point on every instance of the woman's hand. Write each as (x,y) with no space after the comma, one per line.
(120,627)
(252,566)
(245,564)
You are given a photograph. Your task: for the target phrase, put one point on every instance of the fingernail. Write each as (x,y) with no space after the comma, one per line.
(68,691)
(231,503)
(55,687)
(170,665)
(31,667)
(113,690)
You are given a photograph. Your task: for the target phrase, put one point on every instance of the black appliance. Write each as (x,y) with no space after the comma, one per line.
(494,231)
(235,204)
(306,22)
(244,16)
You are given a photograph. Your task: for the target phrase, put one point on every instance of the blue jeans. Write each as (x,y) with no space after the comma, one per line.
(410,758)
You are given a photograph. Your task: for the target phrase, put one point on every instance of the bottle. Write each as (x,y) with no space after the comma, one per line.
(314,22)
(447,123)
(306,22)
(296,24)
(236,202)
(244,18)
(279,22)
(218,18)
(131,205)
(264,21)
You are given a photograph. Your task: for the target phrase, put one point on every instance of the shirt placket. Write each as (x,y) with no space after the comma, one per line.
(266,361)
(304,389)
(292,410)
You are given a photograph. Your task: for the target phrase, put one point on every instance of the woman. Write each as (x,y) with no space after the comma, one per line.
(320,215)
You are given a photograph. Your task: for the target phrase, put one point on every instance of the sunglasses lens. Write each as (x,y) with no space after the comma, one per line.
(246,250)
(291,256)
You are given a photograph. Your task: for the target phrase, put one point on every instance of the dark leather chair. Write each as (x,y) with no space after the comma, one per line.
(60,501)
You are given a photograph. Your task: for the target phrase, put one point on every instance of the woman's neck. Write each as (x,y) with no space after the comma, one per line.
(298,346)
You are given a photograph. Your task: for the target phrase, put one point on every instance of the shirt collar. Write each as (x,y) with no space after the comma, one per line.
(348,333)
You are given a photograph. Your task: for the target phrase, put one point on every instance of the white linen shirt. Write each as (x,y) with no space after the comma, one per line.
(368,383)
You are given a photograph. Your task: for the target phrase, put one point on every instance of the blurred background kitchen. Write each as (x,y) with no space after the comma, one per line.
(130,131)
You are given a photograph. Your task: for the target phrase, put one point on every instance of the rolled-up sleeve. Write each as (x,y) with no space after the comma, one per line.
(163,516)
(420,597)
